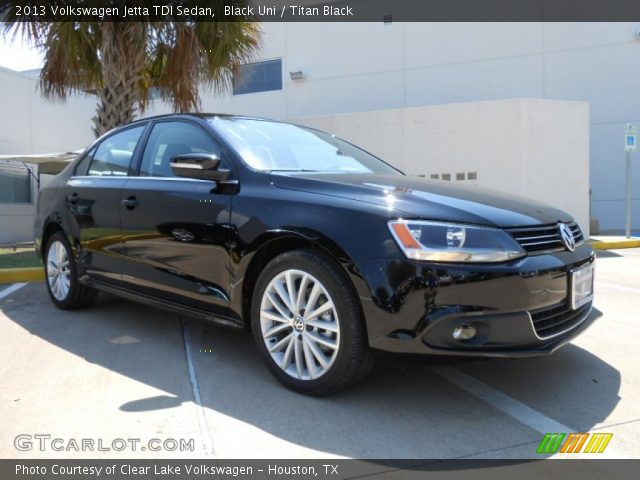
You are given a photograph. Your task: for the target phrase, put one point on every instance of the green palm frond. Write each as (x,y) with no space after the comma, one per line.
(123,62)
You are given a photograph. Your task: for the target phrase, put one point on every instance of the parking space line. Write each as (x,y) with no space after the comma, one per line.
(205,434)
(10,289)
(512,407)
(617,287)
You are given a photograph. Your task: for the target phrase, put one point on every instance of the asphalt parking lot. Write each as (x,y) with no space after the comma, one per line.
(120,370)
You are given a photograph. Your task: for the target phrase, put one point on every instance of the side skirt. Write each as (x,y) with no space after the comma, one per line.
(163,304)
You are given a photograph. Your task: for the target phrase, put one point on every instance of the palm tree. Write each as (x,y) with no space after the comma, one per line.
(123,63)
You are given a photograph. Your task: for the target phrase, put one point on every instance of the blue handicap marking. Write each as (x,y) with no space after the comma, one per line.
(631,140)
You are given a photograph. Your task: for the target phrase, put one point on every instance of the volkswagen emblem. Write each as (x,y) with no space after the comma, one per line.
(298,324)
(567,236)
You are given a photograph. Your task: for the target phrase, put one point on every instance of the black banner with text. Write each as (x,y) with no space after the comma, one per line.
(387,11)
(319,469)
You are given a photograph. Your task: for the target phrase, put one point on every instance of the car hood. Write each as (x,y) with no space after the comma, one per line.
(420,198)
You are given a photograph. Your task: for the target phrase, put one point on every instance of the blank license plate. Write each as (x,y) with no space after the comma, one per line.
(581,286)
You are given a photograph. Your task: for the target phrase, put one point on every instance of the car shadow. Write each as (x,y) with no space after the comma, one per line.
(403,410)
(607,254)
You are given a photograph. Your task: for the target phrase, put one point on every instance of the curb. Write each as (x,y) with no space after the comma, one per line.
(598,245)
(19,275)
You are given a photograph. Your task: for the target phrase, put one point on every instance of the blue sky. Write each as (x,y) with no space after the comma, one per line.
(17,55)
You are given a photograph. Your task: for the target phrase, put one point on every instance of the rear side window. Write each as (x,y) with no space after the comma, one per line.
(168,139)
(113,155)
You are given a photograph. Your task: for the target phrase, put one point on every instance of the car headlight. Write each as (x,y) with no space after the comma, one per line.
(443,242)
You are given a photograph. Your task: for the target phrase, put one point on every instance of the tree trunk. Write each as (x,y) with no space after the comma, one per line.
(122,56)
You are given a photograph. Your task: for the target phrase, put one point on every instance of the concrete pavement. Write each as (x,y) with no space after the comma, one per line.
(124,371)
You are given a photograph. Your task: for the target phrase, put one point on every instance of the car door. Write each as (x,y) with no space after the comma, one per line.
(93,197)
(175,230)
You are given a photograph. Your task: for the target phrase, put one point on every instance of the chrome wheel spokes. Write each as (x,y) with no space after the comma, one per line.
(300,325)
(58,270)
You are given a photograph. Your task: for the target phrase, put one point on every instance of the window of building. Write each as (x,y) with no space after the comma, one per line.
(15,184)
(446,177)
(113,156)
(472,175)
(258,77)
(460,176)
(435,176)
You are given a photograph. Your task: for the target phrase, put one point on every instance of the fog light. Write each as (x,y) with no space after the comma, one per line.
(464,332)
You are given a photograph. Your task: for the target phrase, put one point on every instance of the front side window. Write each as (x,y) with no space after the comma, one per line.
(113,156)
(83,165)
(266,145)
(168,139)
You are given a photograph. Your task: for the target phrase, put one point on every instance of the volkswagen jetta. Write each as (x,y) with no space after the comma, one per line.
(319,248)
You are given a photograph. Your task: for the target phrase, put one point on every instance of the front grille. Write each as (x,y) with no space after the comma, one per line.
(550,321)
(544,238)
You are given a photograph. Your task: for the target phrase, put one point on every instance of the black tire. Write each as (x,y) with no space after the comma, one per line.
(77,295)
(352,360)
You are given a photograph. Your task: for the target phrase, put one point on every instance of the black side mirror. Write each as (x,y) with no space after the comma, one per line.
(203,166)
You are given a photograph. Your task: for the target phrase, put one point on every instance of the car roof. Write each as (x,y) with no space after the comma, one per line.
(201,116)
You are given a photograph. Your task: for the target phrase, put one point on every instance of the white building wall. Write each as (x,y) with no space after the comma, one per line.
(514,146)
(360,67)
(31,124)
(357,67)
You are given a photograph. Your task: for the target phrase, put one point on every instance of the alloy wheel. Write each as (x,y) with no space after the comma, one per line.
(300,325)
(58,273)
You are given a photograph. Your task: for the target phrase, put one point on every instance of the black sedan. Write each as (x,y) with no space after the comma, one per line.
(319,248)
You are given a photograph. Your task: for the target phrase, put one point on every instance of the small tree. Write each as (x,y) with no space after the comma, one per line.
(122,62)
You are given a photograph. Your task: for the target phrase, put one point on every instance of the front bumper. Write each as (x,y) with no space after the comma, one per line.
(520,308)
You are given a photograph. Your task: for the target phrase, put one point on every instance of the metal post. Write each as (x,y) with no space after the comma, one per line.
(628,193)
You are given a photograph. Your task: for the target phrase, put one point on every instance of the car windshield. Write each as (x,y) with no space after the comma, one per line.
(267,145)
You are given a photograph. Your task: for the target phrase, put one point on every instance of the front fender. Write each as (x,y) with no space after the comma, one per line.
(249,260)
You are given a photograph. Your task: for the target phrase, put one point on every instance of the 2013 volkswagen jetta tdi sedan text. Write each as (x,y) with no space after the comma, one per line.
(319,248)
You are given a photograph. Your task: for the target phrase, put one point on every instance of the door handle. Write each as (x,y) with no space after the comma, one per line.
(130,203)
(72,199)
